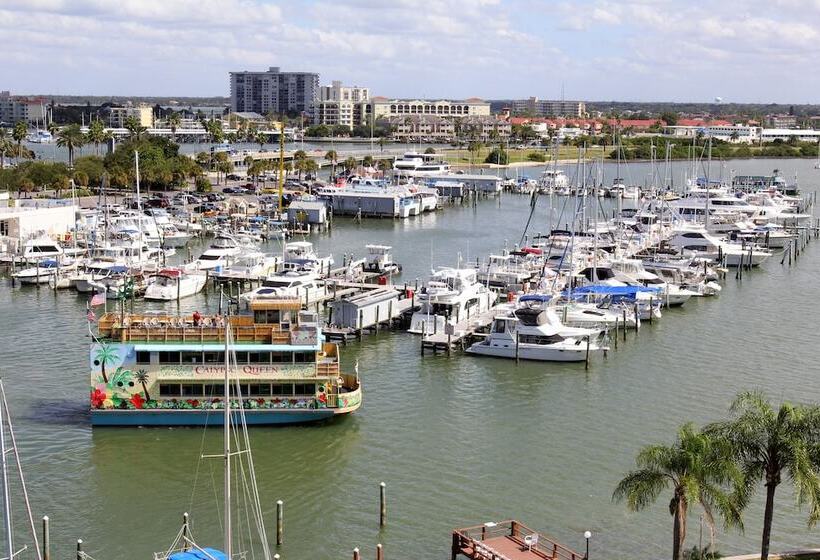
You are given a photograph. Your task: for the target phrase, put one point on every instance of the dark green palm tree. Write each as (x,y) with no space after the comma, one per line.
(19,133)
(332,157)
(71,138)
(260,139)
(769,442)
(698,468)
(174,120)
(96,134)
(5,146)
(134,127)
(142,377)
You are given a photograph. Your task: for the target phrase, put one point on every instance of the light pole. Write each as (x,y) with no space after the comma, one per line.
(587,536)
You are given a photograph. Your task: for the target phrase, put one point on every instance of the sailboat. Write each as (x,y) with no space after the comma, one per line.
(234,429)
(7,438)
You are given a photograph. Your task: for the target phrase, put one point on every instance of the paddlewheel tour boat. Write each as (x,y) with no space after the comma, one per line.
(163,370)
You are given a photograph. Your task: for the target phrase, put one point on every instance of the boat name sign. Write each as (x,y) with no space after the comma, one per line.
(215,371)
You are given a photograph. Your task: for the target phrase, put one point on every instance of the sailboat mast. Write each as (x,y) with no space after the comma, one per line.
(5,480)
(226,436)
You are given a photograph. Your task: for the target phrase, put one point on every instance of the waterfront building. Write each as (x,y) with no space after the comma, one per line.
(21,223)
(26,109)
(343,105)
(142,112)
(781,121)
(740,134)
(785,134)
(546,108)
(383,107)
(274,91)
(434,127)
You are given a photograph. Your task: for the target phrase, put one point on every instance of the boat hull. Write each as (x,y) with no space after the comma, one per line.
(210,417)
(563,353)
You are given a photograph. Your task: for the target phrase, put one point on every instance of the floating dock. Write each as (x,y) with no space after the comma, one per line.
(507,540)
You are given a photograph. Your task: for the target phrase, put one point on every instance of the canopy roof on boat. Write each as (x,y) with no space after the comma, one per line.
(170,272)
(195,554)
(627,291)
(543,298)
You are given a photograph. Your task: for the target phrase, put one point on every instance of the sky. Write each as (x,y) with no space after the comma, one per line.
(626,50)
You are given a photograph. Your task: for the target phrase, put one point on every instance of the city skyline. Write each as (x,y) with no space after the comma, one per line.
(594,49)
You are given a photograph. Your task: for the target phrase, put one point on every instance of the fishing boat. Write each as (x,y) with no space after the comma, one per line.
(451,295)
(380,260)
(220,253)
(172,284)
(533,331)
(164,370)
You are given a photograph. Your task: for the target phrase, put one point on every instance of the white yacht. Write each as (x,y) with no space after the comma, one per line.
(300,256)
(44,271)
(172,284)
(533,331)
(553,181)
(380,260)
(251,265)
(173,237)
(696,240)
(219,254)
(414,164)
(303,286)
(452,295)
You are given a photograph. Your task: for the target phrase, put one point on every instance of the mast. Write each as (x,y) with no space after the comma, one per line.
(226,436)
(5,480)
(139,202)
(708,169)
(281,164)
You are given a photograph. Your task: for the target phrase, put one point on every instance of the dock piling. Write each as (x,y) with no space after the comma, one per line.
(355,554)
(382,504)
(79,549)
(46,539)
(586,359)
(279,522)
(379,552)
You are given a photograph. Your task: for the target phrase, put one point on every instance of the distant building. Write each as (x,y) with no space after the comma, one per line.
(719,130)
(785,134)
(436,127)
(383,107)
(273,91)
(26,109)
(143,113)
(343,105)
(781,121)
(544,108)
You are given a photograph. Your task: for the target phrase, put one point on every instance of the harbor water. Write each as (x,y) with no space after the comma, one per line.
(458,440)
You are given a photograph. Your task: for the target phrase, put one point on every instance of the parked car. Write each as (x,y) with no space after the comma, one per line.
(233,190)
(235,177)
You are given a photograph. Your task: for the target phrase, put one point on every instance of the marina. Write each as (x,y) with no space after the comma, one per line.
(372,294)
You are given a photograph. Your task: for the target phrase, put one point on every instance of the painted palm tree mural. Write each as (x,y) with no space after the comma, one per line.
(141,376)
(105,355)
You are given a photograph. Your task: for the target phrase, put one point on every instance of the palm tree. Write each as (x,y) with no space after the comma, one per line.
(19,133)
(71,137)
(766,442)
(134,127)
(105,355)
(350,164)
(311,167)
(96,134)
(260,139)
(5,146)
(174,120)
(368,161)
(332,156)
(142,376)
(697,467)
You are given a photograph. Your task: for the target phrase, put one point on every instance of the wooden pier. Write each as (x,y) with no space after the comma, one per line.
(507,540)
(462,333)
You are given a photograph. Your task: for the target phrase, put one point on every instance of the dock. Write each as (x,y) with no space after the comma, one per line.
(461,333)
(507,540)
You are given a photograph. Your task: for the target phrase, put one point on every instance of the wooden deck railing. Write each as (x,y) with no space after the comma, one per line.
(464,540)
(174,329)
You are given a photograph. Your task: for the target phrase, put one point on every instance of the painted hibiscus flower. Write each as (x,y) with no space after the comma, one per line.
(137,400)
(98,398)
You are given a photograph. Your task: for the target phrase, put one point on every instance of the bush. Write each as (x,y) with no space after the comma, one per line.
(537,156)
(497,156)
(203,185)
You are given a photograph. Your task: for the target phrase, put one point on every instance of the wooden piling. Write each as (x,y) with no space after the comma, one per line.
(379,552)
(279,522)
(624,322)
(80,549)
(637,318)
(355,554)
(46,539)
(586,359)
(651,309)
(616,332)
(382,504)
(517,342)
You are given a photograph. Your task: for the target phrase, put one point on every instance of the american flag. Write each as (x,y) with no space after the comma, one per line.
(98,299)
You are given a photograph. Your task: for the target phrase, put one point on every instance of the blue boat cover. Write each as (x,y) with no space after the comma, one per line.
(48,263)
(627,291)
(118,269)
(535,297)
(199,555)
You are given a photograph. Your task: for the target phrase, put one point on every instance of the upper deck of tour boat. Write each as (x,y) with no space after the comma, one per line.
(507,540)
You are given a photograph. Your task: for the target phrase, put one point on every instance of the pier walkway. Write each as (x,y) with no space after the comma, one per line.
(462,333)
(507,540)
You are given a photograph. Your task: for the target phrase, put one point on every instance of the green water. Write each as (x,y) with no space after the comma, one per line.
(459,440)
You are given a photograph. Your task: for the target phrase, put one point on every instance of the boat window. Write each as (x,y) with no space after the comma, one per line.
(500,326)
(169,390)
(259,357)
(537,339)
(214,390)
(259,390)
(143,357)
(693,235)
(243,389)
(280,357)
(191,357)
(205,257)
(169,357)
(304,389)
(304,357)
(266,316)
(213,357)
(282,389)
(241,357)
(193,390)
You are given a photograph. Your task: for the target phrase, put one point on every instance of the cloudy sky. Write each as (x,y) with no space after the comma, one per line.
(666,50)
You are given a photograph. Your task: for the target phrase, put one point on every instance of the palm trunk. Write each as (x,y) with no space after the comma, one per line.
(145,390)
(768,514)
(679,527)
(105,377)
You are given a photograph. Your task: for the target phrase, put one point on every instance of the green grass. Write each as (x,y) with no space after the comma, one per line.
(463,157)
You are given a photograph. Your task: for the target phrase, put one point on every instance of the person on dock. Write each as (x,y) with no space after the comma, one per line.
(197,316)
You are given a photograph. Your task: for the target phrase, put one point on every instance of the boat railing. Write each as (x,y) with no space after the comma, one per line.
(159,328)
(545,547)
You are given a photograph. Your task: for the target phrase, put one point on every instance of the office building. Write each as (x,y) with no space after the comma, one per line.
(542,108)
(27,109)
(143,113)
(386,108)
(274,91)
